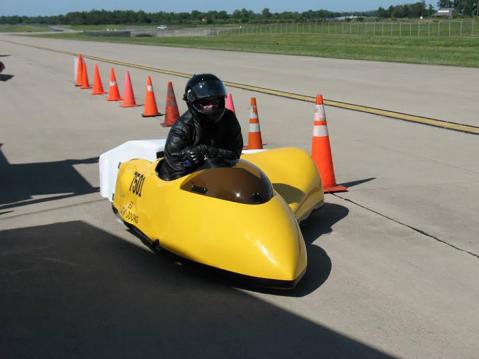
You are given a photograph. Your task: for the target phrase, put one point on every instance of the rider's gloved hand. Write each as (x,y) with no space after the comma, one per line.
(192,156)
(208,151)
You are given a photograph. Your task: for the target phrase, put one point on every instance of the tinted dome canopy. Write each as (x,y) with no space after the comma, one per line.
(242,183)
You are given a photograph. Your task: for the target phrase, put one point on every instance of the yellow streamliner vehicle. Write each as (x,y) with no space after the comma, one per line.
(241,216)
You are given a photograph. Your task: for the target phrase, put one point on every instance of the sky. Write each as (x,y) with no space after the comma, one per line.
(57,7)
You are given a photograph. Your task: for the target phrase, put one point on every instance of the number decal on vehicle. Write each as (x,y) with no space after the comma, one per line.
(127,212)
(137,184)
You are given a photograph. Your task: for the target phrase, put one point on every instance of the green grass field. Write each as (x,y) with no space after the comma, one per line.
(455,51)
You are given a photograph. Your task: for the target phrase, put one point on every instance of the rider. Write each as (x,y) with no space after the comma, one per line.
(206,130)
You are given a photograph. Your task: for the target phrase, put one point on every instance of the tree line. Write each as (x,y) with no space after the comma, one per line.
(461,7)
(99,17)
(418,9)
(415,10)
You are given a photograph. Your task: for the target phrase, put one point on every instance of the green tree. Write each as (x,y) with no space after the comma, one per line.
(265,13)
(445,3)
(465,7)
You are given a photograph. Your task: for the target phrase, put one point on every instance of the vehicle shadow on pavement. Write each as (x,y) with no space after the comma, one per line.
(319,263)
(72,290)
(6,77)
(322,221)
(56,180)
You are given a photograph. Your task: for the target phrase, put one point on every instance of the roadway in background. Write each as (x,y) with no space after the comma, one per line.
(444,92)
(393,263)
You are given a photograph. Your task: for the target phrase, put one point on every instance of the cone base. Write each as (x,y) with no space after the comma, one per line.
(85,88)
(334,189)
(255,148)
(99,93)
(114,99)
(134,105)
(151,115)
(245,147)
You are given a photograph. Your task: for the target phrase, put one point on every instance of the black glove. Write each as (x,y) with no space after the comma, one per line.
(208,151)
(192,156)
(212,152)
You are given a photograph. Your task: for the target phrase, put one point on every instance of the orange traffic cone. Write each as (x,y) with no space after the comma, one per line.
(171,111)
(113,93)
(97,84)
(79,67)
(85,85)
(150,110)
(254,135)
(128,95)
(229,103)
(321,150)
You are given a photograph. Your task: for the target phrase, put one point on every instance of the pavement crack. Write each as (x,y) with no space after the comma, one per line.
(420,231)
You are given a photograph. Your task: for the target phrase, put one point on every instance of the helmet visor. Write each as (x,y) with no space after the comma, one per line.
(206,105)
(205,89)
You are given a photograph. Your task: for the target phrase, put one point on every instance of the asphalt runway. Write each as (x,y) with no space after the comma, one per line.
(393,263)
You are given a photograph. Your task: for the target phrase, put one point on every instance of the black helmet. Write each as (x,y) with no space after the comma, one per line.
(205,96)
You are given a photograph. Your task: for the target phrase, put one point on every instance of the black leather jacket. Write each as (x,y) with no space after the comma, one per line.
(224,140)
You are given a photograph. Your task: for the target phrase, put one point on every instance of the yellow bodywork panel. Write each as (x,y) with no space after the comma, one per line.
(258,240)
(294,177)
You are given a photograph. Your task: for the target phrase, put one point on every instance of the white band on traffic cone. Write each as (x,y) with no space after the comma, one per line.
(253,115)
(112,83)
(149,88)
(320,131)
(254,127)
